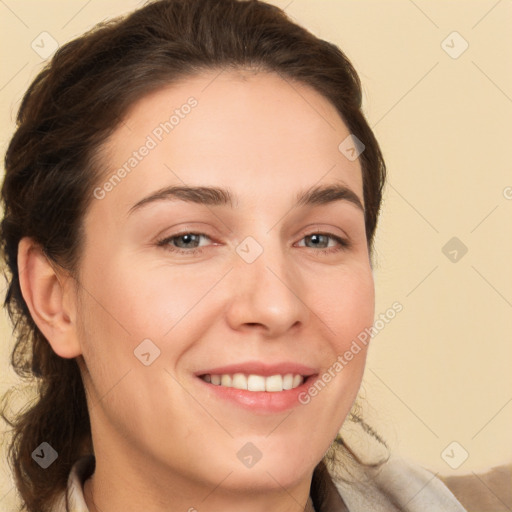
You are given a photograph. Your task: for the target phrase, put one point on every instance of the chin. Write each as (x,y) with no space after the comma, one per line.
(266,478)
(268,469)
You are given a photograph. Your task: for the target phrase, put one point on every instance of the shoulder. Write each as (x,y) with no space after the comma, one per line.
(396,485)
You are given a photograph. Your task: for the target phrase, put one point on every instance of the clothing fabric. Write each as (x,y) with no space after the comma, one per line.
(397,485)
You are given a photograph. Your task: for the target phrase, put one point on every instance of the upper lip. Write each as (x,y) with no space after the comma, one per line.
(260,368)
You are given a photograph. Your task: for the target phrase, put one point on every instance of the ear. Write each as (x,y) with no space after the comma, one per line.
(49,293)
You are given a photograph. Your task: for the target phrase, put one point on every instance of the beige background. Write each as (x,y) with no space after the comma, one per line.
(441,370)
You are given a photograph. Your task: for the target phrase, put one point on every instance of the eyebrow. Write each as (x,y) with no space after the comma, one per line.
(216,196)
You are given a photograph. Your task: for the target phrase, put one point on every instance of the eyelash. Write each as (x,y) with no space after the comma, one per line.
(164,242)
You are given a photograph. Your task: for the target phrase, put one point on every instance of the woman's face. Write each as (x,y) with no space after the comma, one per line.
(260,286)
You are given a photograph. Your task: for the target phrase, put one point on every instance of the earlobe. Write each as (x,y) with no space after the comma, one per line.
(49,296)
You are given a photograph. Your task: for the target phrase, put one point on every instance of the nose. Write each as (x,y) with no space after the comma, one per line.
(267,295)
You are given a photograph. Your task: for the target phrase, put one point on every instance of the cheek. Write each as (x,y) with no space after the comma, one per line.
(125,304)
(345,303)
(138,303)
(345,300)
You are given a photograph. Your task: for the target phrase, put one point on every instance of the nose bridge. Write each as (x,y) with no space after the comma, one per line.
(267,286)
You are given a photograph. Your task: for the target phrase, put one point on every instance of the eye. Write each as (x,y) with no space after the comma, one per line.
(320,239)
(187,243)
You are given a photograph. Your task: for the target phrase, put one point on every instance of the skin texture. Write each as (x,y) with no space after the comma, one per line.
(164,441)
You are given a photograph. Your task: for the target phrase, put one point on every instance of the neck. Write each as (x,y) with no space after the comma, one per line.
(130,482)
(108,494)
(129,476)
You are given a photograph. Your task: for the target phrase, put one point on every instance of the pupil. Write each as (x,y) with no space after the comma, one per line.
(316,239)
(187,238)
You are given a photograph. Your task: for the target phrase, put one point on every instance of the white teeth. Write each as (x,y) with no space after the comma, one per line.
(239,381)
(255,383)
(226,381)
(288,381)
(251,382)
(274,383)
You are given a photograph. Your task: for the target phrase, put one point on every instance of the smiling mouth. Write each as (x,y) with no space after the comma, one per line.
(256,383)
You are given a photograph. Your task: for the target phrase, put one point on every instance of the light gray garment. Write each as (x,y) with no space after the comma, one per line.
(398,485)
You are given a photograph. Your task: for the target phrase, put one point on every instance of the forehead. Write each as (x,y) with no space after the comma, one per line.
(258,133)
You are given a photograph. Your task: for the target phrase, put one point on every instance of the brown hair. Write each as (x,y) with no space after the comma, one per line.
(51,166)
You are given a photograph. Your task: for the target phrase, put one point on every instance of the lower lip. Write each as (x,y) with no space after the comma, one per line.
(261,401)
